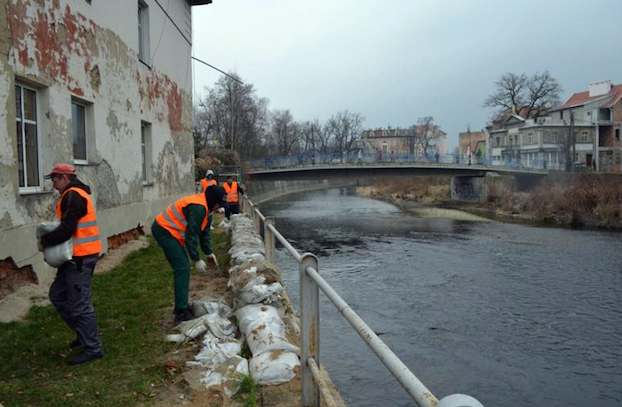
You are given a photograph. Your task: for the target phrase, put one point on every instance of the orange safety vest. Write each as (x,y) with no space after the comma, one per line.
(86,237)
(207,183)
(174,220)
(232,192)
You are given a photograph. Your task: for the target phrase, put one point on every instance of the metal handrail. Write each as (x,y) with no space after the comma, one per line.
(407,379)
(310,283)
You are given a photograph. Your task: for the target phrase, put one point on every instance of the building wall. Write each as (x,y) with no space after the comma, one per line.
(72,50)
(474,138)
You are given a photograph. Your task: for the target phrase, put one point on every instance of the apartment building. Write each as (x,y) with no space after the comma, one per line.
(105,86)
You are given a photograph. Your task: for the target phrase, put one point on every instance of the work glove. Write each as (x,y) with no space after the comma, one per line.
(211,259)
(39,245)
(200,266)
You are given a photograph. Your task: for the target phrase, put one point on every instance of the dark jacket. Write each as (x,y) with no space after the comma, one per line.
(73,207)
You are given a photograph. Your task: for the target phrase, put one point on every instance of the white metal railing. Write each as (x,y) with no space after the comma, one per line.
(310,283)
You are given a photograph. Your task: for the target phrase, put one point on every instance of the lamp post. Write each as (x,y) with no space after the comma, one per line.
(470,148)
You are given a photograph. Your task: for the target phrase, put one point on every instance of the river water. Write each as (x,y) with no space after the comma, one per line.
(512,315)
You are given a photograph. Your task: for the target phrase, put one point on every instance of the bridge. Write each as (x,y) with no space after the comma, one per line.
(469,182)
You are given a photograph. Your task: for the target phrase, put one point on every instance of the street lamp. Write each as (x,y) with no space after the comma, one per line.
(470,148)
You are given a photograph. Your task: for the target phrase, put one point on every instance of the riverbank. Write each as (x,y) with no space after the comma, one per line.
(584,201)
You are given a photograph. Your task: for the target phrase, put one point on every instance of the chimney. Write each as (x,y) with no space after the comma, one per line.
(600,88)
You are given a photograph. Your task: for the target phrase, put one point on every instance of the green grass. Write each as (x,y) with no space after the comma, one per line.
(131,302)
(248,391)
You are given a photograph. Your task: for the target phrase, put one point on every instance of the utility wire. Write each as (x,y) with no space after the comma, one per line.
(172,21)
(190,43)
(222,72)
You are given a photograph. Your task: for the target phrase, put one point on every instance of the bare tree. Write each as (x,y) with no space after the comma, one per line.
(310,133)
(426,134)
(231,116)
(345,127)
(284,131)
(568,143)
(520,94)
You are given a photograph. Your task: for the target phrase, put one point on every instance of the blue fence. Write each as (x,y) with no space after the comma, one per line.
(355,158)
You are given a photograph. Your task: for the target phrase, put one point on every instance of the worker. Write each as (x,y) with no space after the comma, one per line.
(184,223)
(208,181)
(233,191)
(71,291)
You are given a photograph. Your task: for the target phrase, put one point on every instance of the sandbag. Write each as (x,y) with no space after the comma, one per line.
(57,255)
(250,313)
(274,367)
(227,374)
(267,335)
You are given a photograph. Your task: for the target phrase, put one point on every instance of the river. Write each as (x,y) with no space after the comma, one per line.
(513,315)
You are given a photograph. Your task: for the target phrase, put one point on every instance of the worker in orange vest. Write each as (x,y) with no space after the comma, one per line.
(233,191)
(184,224)
(71,291)
(208,181)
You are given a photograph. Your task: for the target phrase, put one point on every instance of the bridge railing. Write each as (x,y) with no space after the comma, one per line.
(336,159)
(310,285)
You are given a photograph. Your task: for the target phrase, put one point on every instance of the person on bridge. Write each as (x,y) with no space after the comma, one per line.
(184,223)
(71,292)
(233,191)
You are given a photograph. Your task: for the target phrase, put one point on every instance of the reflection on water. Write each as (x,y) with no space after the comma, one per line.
(513,315)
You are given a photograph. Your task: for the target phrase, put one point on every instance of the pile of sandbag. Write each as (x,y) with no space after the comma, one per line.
(258,304)
(220,350)
(258,295)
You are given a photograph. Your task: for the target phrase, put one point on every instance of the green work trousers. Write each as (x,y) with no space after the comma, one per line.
(178,259)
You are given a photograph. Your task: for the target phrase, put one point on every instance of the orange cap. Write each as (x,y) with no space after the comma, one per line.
(61,168)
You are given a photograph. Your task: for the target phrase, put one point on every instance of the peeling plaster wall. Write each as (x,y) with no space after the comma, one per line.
(89,52)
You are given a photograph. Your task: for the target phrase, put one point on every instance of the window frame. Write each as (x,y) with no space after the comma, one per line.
(22,120)
(146,153)
(85,108)
(144,45)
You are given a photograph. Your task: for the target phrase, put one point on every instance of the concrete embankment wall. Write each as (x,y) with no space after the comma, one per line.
(263,190)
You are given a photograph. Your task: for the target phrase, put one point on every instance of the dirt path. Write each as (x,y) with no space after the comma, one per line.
(15,306)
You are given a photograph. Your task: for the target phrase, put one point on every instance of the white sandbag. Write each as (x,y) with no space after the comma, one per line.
(227,374)
(273,368)
(262,293)
(268,335)
(211,306)
(177,338)
(250,313)
(193,328)
(221,327)
(216,351)
(57,255)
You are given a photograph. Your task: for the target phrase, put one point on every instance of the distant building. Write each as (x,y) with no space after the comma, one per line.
(587,125)
(107,87)
(600,110)
(468,141)
(387,142)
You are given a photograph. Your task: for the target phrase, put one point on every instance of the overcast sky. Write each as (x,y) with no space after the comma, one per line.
(394,61)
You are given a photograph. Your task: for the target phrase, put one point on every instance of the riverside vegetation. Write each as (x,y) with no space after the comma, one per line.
(585,200)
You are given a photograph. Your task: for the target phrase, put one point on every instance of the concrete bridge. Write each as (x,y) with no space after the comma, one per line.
(469,182)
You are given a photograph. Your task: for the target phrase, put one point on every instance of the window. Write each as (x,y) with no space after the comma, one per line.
(498,141)
(78,129)
(145,146)
(27,142)
(554,138)
(143,32)
(530,136)
(584,137)
(618,134)
(561,115)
